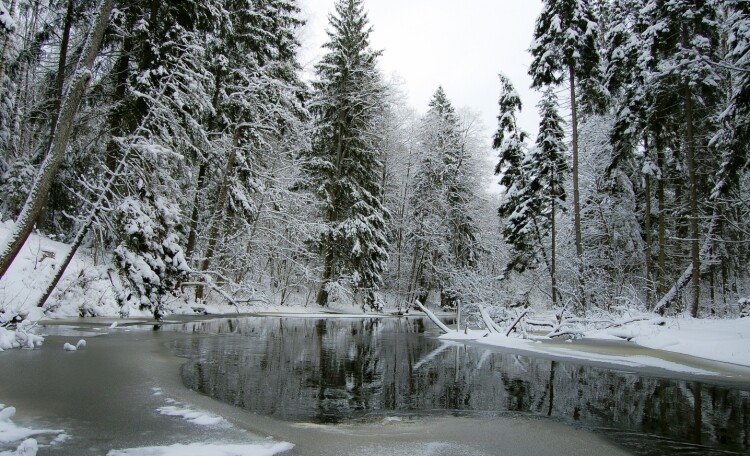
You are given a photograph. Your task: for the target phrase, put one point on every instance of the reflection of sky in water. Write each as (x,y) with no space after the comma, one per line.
(333,371)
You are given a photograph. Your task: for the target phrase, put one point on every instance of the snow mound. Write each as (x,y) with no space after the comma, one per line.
(22,337)
(207,449)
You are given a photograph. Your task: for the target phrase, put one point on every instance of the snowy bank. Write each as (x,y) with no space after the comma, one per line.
(726,341)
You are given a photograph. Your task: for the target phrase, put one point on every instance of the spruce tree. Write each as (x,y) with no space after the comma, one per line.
(684,38)
(343,167)
(531,205)
(565,46)
(509,139)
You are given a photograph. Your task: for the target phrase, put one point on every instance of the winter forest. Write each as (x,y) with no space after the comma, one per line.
(179,145)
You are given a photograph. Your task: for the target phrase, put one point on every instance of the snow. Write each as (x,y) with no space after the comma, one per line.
(84,290)
(11,434)
(207,449)
(719,340)
(195,417)
(6,21)
(725,341)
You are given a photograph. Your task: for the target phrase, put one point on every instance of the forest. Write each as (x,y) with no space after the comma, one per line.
(178,144)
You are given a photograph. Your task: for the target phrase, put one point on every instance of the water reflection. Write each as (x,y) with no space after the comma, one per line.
(330,371)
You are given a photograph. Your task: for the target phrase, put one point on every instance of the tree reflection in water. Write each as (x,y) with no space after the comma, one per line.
(336,370)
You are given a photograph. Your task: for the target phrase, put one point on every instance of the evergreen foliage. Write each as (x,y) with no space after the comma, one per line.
(344,165)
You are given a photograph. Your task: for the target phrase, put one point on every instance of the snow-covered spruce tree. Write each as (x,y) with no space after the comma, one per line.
(684,39)
(509,140)
(150,254)
(531,206)
(343,167)
(153,143)
(629,159)
(444,233)
(565,46)
(732,142)
(736,118)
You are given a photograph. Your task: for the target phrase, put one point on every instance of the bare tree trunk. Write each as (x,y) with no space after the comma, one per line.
(39,192)
(63,61)
(553,264)
(660,190)
(193,234)
(695,258)
(649,235)
(576,189)
(328,260)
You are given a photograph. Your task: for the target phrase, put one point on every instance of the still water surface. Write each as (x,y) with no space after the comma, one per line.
(363,370)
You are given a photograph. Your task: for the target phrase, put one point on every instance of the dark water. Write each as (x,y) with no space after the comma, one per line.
(334,370)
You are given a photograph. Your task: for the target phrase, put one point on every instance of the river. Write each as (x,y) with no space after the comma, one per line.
(357,386)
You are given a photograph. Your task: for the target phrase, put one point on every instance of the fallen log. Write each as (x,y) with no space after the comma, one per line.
(432,317)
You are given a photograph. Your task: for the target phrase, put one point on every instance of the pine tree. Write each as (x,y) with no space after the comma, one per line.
(344,166)
(565,45)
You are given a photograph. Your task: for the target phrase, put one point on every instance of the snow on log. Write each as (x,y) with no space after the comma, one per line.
(432,317)
(491,326)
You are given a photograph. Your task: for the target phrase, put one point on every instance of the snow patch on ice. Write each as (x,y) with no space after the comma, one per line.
(11,434)
(196,417)
(208,449)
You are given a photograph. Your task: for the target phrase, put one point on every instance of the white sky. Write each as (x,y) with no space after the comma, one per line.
(428,43)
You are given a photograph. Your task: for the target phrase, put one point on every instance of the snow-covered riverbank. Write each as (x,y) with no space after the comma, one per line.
(679,345)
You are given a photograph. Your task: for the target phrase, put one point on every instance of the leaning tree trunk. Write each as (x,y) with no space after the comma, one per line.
(63,125)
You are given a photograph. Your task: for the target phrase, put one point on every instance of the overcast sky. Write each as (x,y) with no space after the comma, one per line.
(428,43)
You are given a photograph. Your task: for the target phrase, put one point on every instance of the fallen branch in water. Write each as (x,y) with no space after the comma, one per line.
(518,320)
(432,317)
